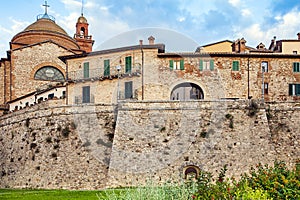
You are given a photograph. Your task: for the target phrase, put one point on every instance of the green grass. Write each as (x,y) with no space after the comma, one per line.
(27,194)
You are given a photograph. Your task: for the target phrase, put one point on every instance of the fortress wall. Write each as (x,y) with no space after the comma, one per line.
(284,123)
(156,140)
(46,146)
(51,145)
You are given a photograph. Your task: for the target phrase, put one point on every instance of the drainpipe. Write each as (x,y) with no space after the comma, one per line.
(141,44)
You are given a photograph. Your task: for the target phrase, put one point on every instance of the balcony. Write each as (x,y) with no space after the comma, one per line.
(81,100)
(85,37)
(98,74)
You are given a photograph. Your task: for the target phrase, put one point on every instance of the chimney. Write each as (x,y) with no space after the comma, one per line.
(242,44)
(235,46)
(141,42)
(298,34)
(151,40)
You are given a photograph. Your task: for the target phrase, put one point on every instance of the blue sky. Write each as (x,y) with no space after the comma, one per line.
(198,21)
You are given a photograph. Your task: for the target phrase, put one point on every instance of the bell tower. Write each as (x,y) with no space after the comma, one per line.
(82,37)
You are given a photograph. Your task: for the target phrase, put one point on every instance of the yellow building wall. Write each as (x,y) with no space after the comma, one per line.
(290,47)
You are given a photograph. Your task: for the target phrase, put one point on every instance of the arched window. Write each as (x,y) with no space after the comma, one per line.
(49,73)
(191,172)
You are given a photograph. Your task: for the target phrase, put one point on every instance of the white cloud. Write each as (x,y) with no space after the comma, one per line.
(286,28)
(246,12)
(181,19)
(234,3)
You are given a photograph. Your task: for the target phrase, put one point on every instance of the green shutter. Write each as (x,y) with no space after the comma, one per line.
(181,64)
(235,65)
(86,94)
(128,90)
(128,64)
(171,63)
(201,65)
(296,67)
(297,89)
(86,70)
(211,65)
(106,68)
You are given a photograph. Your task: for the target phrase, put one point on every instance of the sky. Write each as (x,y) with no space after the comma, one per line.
(181,24)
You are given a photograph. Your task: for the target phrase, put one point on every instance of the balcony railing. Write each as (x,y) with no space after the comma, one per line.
(87,37)
(98,74)
(79,99)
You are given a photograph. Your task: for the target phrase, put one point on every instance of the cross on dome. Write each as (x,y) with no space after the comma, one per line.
(46,7)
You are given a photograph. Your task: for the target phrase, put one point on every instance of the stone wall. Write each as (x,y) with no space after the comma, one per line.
(284,120)
(93,146)
(49,146)
(41,55)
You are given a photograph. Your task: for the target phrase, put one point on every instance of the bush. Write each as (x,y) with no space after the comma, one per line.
(263,182)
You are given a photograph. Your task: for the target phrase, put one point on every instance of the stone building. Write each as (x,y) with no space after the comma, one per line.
(119,116)
(33,64)
(147,72)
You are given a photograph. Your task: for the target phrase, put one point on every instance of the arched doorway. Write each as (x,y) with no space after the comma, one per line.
(187,91)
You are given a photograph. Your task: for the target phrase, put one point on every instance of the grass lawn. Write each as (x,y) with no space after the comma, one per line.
(48,194)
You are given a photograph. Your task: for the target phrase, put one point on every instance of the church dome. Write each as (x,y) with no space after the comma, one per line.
(82,20)
(45,24)
(44,29)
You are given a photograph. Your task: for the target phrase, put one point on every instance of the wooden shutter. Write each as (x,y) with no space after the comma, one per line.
(291,89)
(171,64)
(235,65)
(296,67)
(201,65)
(211,65)
(181,64)
(106,68)
(86,70)
(297,89)
(86,94)
(128,90)
(128,63)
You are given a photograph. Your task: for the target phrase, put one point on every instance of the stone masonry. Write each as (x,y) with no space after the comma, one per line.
(93,146)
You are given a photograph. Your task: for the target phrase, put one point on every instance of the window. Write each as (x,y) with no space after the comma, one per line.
(86,94)
(235,66)
(266,88)
(49,73)
(295,52)
(106,68)
(128,64)
(128,90)
(294,89)
(86,70)
(296,67)
(206,65)
(176,64)
(51,96)
(264,66)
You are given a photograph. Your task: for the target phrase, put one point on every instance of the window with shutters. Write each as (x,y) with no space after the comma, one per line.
(206,65)
(86,96)
(176,64)
(128,64)
(86,70)
(296,67)
(106,68)
(294,89)
(235,65)
(128,90)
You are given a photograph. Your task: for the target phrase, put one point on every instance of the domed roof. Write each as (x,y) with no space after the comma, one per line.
(45,24)
(82,19)
(43,29)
